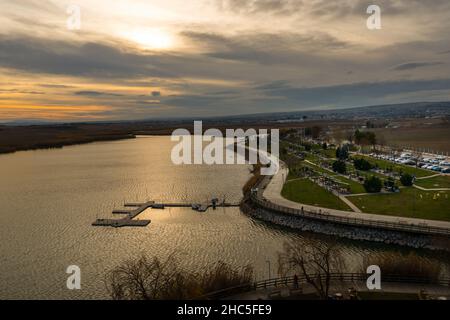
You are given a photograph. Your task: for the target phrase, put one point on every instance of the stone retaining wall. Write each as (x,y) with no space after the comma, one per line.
(349,232)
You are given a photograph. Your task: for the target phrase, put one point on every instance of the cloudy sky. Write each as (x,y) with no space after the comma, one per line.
(143,59)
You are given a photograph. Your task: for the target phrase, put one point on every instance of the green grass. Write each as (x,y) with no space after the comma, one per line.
(307,192)
(329,153)
(409,202)
(435,182)
(355,187)
(384,164)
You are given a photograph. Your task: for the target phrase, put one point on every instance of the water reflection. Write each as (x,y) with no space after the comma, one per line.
(49,199)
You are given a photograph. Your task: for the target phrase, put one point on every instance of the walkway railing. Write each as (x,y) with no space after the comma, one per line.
(360,222)
(301,280)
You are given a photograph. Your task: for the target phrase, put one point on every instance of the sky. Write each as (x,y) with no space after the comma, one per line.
(146,59)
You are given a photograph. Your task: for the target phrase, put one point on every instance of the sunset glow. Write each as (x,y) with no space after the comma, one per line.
(222,57)
(151,39)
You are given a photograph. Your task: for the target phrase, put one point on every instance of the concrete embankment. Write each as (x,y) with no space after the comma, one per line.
(347,231)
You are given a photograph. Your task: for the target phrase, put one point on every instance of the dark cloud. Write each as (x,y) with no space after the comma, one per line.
(260,6)
(55,86)
(274,85)
(156,93)
(415,65)
(68,58)
(327,8)
(283,96)
(352,94)
(20,91)
(96,94)
(266,48)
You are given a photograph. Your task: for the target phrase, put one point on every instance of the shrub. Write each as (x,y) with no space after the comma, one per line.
(152,279)
(342,152)
(390,183)
(407,180)
(362,164)
(339,167)
(373,185)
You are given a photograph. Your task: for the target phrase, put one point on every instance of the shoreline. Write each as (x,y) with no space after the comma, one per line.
(60,145)
(269,206)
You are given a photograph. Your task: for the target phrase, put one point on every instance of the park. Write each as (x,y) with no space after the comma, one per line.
(355,176)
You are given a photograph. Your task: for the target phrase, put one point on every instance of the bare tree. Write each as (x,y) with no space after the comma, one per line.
(315,261)
(145,279)
(152,279)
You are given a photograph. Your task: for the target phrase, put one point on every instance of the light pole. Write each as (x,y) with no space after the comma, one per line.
(270,274)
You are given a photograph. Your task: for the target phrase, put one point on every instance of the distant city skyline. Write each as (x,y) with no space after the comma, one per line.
(142,59)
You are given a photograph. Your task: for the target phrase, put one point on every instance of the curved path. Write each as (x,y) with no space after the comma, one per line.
(274,186)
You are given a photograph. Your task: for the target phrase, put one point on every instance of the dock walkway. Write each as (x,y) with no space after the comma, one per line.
(130,215)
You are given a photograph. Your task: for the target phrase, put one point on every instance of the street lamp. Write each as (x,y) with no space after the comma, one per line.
(270,274)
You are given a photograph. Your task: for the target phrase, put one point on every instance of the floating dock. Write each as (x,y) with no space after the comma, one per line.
(118,223)
(130,215)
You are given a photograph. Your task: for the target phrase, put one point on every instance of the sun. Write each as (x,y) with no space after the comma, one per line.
(155,39)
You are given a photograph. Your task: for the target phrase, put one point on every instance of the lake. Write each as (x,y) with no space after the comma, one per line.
(49,198)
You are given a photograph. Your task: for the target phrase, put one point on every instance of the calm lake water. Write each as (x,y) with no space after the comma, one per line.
(49,198)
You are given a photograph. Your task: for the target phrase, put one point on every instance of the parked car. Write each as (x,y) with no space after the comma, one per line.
(421,164)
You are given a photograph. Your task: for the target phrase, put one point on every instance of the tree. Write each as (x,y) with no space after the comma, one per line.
(390,183)
(315,261)
(307,146)
(362,164)
(407,180)
(373,184)
(153,279)
(365,138)
(315,131)
(324,146)
(342,152)
(339,167)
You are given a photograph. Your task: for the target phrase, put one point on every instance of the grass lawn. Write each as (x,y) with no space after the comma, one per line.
(355,187)
(307,192)
(383,164)
(409,202)
(329,153)
(433,183)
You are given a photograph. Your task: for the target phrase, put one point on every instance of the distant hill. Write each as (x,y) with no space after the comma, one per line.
(409,110)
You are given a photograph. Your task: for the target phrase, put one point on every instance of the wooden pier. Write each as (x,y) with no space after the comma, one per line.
(130,215)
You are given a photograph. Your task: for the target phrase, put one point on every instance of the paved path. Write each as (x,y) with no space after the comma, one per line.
(432,176)
(285,292)
(272,192)
(350,204)
(434,189)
